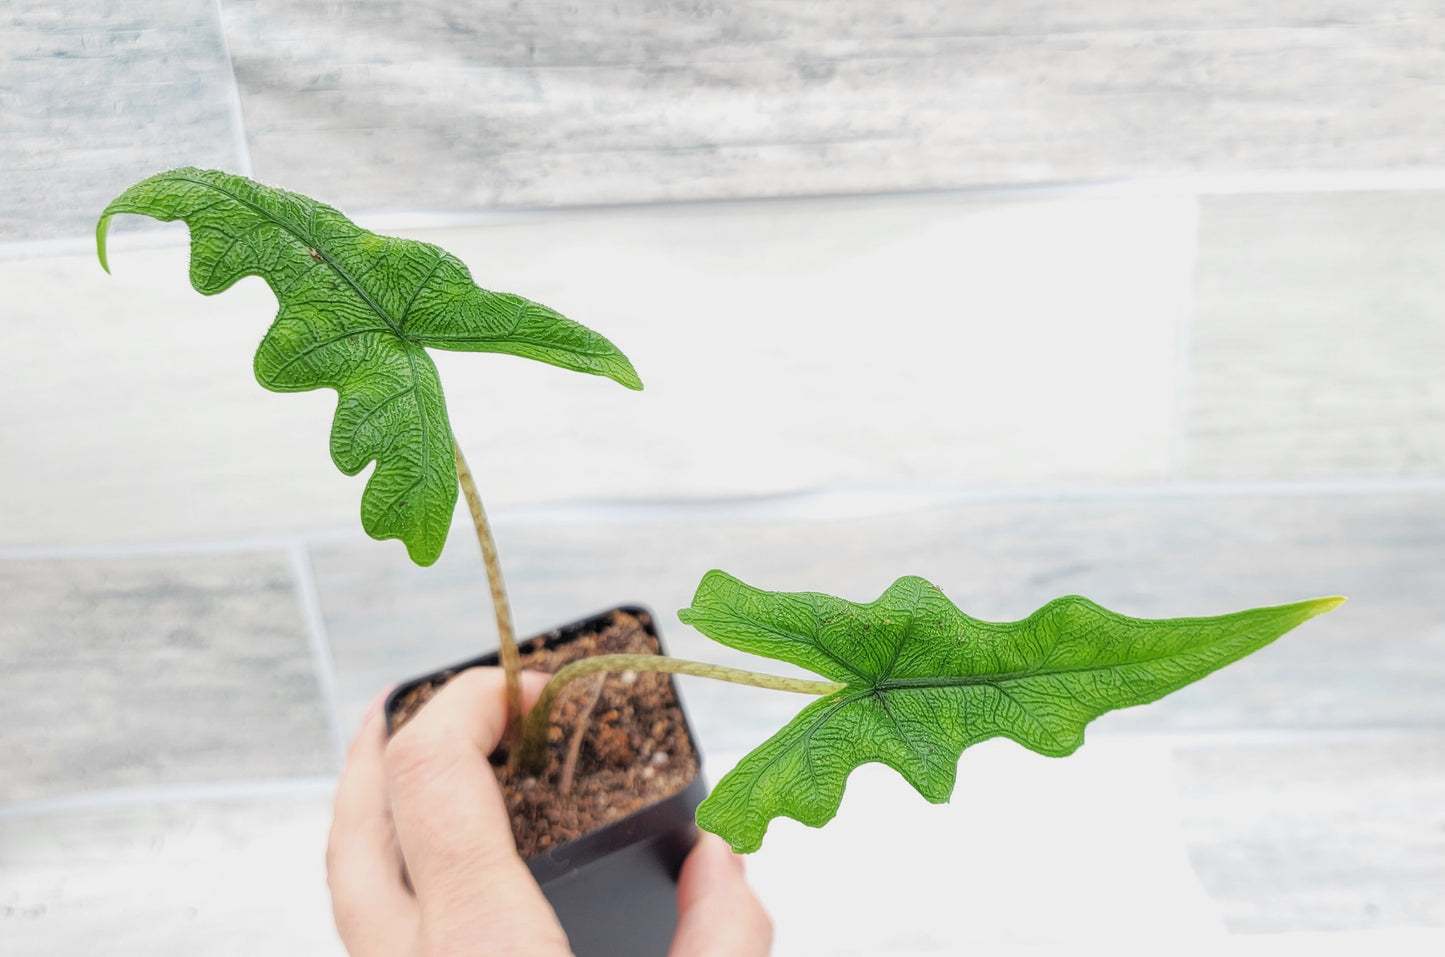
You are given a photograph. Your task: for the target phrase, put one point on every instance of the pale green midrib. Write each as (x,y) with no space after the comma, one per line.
(425,339)
(310,243)
(954,681)
(884,683)
(881,688)
(868,687)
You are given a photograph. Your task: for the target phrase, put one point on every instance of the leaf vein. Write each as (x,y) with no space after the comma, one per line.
(406,311)
(316,347)
(804,737)
(898,726)
(235,241)
(310,241)
(811,641)
(372,413)
(539,343)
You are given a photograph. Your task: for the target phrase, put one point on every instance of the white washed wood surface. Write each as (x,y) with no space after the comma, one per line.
(231,878)
(1376,662)
(154,671)
(376,104)
(1317,343)
(382,105)
(96,95)
(1319,835)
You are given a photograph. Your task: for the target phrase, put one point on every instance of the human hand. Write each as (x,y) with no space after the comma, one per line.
(429,798)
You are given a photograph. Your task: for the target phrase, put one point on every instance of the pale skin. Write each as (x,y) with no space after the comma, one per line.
(429,798)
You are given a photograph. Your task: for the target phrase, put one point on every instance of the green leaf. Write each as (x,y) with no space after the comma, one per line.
(356,313)
(922,681)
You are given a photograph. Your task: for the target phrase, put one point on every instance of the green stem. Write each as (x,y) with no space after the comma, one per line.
(534,727)
(506,636)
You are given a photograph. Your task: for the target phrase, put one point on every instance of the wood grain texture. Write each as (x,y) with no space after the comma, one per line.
(1317,341)
(1376,662)
(226,879)
(548,103)
(94,96)
(154,671)
(1327,836)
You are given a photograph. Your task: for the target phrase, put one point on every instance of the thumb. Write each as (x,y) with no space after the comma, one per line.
(452,823)
(718,914)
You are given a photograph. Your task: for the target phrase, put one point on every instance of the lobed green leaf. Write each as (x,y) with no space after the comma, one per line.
(357,311)
(923,681)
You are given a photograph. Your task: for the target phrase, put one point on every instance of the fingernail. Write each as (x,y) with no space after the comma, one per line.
(375,705)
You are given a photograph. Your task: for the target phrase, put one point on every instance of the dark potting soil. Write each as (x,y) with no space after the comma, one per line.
(633,749)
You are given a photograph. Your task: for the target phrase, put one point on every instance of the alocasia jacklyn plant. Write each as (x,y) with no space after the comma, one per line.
(907,680)
(357,313)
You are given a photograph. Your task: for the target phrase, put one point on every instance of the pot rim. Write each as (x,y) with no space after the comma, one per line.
(641,825)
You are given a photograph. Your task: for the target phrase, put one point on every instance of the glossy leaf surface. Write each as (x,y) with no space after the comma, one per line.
(922,681)
(357,313)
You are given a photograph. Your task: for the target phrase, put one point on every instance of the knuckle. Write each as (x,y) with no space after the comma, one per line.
(413,757)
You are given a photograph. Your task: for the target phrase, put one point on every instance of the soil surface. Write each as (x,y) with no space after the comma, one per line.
(633,749)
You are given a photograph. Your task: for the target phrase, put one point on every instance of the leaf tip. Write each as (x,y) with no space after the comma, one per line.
(623,372)
(101,229)
(708,587)
(688,615)
(1320,606)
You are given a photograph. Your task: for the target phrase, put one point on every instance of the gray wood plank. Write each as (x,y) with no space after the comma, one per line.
(1317,343)
(95,96)
(225,879)
(153,671)
(1377,662)
(382,105)
(1324,837)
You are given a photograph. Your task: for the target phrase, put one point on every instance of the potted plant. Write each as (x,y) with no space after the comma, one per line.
(907,680)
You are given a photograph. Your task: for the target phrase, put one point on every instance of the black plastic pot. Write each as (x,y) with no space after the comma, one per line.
(614,889)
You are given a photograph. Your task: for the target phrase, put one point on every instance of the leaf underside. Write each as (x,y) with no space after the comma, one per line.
(923,681)
(357,312)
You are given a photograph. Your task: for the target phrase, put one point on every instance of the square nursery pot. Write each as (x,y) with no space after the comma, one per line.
(615,888)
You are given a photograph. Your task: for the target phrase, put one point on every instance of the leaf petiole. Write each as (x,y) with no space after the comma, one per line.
(532,757)
(506,635)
